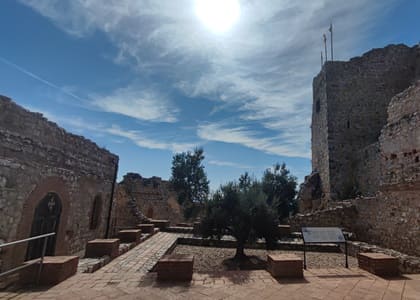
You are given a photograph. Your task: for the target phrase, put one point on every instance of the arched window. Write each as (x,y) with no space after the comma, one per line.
(96,212)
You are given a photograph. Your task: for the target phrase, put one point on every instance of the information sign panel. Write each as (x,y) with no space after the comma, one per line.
(322,235)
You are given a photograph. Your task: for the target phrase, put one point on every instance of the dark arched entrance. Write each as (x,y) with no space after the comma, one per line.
(46,219)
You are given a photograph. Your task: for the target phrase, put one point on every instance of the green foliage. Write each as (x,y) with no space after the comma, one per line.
(240,209)
(189,180)
(280,188)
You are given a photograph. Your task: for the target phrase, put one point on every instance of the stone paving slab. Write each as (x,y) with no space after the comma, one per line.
(128,277)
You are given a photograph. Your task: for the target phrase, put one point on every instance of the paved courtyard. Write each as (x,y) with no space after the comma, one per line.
(128,277)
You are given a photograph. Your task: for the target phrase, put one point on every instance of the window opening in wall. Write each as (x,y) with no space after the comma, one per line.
(318,106)
(96,212)
(348,124)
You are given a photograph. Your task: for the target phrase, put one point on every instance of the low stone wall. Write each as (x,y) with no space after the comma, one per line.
(407,264)
(391,220)
(339,216)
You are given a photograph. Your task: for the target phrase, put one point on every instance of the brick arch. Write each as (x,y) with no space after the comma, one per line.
(50,184)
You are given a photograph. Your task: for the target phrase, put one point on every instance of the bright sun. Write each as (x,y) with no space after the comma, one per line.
(218,15)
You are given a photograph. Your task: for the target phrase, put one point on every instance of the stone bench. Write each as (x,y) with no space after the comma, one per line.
(378,264)
(102,247)
(55,269)
(129,235)
(146,228)
(285,266)
(161,224)
(175,267)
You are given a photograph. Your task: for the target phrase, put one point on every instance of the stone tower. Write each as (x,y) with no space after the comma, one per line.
(350,101)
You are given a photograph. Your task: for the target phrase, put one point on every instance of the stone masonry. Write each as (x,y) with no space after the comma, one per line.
(390,167)
(350,101)
(38,158)
(139,198)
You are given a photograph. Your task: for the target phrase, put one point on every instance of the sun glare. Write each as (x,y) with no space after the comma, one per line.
(218,15)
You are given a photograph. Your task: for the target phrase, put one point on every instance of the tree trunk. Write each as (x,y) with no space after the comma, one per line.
(240,254)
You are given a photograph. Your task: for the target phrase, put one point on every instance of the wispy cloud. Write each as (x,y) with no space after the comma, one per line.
(139,103)
(262,69)
(222,163)
(143,103)
(137,137)
(252,139)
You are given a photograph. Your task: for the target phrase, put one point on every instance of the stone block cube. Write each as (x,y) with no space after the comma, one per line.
(55,269)
(129,236)
(161,224)
(285,266)
(175,267)
(146,228)
(378,264)
(284,230)
(102,247)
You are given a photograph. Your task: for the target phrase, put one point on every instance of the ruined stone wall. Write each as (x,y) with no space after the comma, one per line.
(400,142)
(342,216)
(37,157)
(354,97)
(153,197)
(392,218)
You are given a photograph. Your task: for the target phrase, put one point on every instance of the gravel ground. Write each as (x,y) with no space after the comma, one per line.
(207,259)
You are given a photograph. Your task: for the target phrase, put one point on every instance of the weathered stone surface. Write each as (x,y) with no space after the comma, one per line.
(103,247)
(350,101)
(139,200)
(310,190)
(130,235)
(38,157)
(378,263)
(285,265)
(366,142)
(55,269)
(175,267)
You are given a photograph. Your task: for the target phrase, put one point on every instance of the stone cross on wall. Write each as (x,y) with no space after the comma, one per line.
(51,203)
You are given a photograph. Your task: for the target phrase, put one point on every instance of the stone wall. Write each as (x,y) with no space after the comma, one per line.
(342,216)
(367,171)
(350,108)
(153,197)
(38,157)
(392,218)
(400,142)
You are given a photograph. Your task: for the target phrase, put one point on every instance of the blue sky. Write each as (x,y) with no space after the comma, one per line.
(147,79)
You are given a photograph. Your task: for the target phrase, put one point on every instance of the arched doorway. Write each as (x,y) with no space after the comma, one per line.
(46,219)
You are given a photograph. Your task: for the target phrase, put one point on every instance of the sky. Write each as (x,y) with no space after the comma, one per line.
(150,78)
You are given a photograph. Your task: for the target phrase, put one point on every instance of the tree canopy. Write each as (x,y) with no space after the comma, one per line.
(189,179)
(240,209)
(280,187)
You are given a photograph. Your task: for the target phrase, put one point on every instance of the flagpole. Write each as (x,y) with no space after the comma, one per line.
(325,46)
(332,50)
(322,60)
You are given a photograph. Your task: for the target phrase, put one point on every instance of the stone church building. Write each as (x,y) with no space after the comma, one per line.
(50,181)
